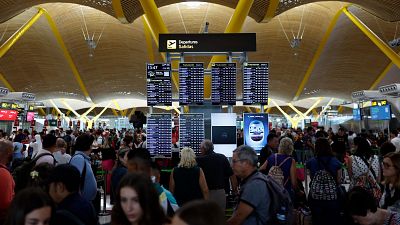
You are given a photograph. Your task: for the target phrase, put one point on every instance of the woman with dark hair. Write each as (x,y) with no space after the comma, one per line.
(391,174)
(30,206)
(198,213)
(324,210)
(362,208)
(137,202)
(363,162)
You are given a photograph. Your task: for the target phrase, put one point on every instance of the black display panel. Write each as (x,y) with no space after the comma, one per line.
(191,131)
(159,134)
(223,83)
(224,134)
(191,83)
(159,88)
(255,83)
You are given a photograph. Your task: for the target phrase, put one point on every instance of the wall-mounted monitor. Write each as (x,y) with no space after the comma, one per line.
(255,130)
(381,112)
(191,83)
(223,133)
(191,131)
(159,87)
(8,115)
(357,114)
(159,134)
(223,83)
(255,83)
(30,116)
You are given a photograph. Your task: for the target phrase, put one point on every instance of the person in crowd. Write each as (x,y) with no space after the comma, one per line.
(362,207)
(139,161)
(64,184)
(198,212)
(340,143)
(137,141)
(386,148)
(391,174)
(324,211)
(216,169)
(18,149)
(270,148)
(167,200)
(48,147)
(286,163)
(254,200)
(308,140)
(30,206)
(39,177)
(395,139)
(187,181)
(119,171)
(36,145)
(60,154)
(363,161)
(81,161)
(137,202)
(6,180)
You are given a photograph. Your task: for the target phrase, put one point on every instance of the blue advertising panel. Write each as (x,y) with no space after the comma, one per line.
(357,114)
(255,130)
(381,112)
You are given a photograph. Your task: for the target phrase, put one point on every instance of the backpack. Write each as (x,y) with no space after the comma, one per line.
(368,182)
(323,186)
(281,205)
(22,173)
(276,172)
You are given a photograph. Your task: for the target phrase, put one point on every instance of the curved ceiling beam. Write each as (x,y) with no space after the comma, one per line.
(234,26)
(392,55)
(317,54)
(272,7)
(119,12)
(67,56)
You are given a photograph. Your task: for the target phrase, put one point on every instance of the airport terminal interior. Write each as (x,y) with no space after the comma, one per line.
(105,104)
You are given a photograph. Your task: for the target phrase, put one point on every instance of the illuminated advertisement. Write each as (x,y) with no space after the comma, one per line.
(8,115)
(30,116)
(255,130)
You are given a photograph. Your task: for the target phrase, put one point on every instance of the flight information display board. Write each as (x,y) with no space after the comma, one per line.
(223,83)
(191,83)
(191,131)
(159,134)
(255,83)
(159,88)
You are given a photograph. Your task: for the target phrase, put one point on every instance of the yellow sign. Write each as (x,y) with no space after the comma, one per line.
(379,103)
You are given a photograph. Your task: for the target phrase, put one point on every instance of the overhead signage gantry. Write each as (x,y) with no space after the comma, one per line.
(191,76)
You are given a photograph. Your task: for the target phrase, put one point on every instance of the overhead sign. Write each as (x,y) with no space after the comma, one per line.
(217,42)
(9,115)
(379,103)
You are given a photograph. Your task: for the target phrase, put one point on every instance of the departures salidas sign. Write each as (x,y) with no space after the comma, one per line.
(235,42)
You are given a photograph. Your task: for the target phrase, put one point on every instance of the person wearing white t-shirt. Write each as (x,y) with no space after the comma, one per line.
(395,139)
(60,155)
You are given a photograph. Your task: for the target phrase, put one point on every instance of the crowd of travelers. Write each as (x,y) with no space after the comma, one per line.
(309,176)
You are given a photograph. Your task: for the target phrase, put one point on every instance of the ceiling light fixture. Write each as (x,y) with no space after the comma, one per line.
(193,4)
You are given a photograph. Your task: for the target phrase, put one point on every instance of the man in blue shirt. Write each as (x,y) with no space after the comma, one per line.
(81,161)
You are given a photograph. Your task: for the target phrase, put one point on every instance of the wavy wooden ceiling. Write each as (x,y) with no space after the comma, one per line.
(36,63)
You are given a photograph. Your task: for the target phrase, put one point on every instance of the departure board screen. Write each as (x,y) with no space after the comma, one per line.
(223,83)
(191,131)
(159,88)
(191,83)
(255,83)
(159,134)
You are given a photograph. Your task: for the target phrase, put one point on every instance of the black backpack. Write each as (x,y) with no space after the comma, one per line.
(323,186)
(281,205)
(22,173)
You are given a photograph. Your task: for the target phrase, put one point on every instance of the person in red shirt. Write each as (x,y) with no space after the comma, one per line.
(7,182)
